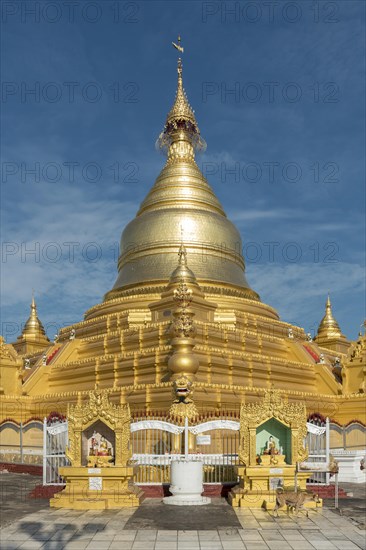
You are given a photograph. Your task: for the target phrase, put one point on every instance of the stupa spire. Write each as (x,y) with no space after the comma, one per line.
(182,255)
(181,109)
(33,326)
(33,337)
(328,326)
(181,135)
(182,271)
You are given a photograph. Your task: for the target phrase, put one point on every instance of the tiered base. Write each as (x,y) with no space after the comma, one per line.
(186,500)
(97,489)
(258,485)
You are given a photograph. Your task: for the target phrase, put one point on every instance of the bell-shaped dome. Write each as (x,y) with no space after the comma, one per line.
(328,327)
(33,326)
(181,205)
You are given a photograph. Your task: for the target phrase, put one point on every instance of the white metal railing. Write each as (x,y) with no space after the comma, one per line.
(54,456)
(163,460)
(156,443)
(317,442)
(217,468)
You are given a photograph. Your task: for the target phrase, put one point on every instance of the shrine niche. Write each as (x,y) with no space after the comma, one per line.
(273,443)
(279,415)
(272,435)
(100,475)
(98,444)
(113,423)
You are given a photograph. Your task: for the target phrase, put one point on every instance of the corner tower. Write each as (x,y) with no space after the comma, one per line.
(33,337)
(329,334)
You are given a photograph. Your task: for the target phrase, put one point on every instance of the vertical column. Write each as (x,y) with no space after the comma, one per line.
(252,446)
(118,449)
(77,447)
(191,442)
(21,441)
(327,448)
(44,451)
(295,444)
(186,438)
(177,443)
(115,372)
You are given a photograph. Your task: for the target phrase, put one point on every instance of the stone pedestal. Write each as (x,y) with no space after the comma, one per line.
(97,488)
(349,465)
(273,461)
(186,484)
(258,484)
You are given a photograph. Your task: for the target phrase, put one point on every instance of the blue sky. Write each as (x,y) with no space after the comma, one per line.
(278,90)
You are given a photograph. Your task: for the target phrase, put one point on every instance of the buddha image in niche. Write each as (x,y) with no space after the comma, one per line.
(99,446)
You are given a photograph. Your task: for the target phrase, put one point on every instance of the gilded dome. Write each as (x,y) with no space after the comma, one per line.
(33,326)
(181,206)
(328,327)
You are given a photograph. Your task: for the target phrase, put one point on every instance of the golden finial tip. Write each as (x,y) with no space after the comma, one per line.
(178,46)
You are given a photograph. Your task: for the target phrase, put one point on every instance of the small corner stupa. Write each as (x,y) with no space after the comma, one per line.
(33,337)
(329,334)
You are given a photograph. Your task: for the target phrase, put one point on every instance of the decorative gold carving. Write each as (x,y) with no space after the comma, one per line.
(333,466)
(183,295)
(183,324)
(183,406)
(252,415)
(4,349)
(183,361)
(182,410)
(83,415)
(357,349)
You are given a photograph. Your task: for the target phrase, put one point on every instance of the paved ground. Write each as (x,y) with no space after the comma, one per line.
(153,514)
(14,491)
(354,507)
(32,525)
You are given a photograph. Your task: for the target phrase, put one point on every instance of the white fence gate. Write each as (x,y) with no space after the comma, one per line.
(55,437)
(156,443)
(317,441)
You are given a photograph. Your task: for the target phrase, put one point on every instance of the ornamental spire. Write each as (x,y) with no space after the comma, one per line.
(328,326)
(182,271)
(183,330)
(33,326)
(181,135)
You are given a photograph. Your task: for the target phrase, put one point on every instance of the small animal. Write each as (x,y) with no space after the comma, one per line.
(293,500)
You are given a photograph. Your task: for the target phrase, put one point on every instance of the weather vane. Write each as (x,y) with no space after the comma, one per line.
(178,46)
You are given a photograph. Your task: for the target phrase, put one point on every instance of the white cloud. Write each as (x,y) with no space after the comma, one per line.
(299,291)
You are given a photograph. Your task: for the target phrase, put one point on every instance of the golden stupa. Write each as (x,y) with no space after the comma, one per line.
(182,316)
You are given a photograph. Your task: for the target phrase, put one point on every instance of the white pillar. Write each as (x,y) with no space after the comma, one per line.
(327,448)
(44,450)
(186,438)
